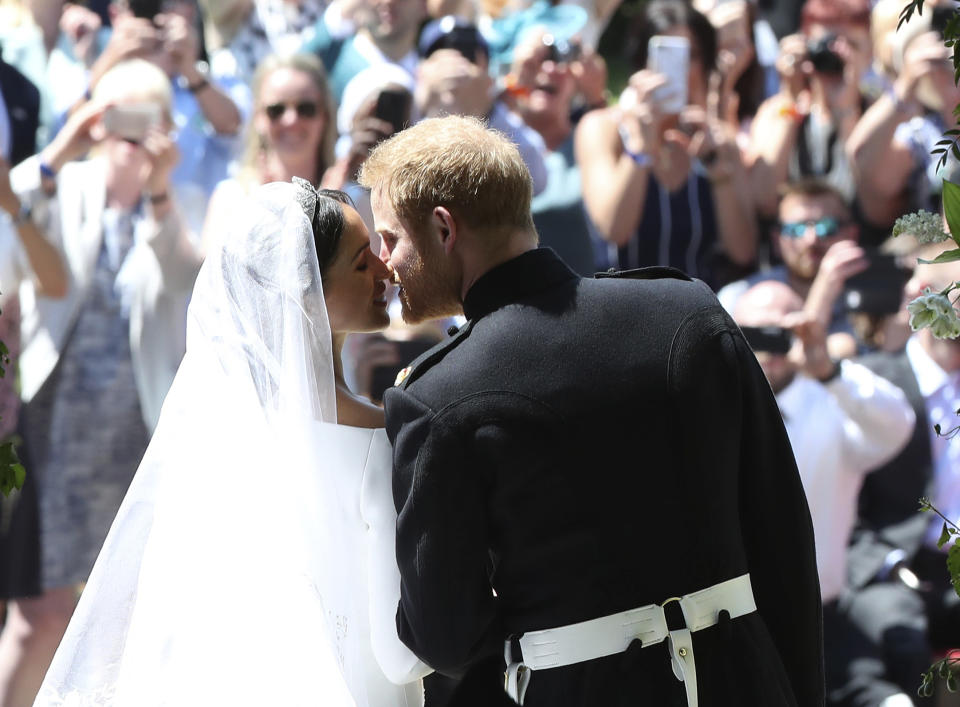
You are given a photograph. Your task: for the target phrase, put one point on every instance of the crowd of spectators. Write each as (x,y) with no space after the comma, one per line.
(773,168)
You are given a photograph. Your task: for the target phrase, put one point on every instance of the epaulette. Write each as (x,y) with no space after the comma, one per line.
(430,357)
(653,272)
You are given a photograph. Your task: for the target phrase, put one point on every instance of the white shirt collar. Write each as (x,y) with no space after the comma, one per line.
(930,377)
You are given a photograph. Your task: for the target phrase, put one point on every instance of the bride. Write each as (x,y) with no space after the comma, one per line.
(252,561)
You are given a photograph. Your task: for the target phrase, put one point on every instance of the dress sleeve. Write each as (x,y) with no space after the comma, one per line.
(396,661)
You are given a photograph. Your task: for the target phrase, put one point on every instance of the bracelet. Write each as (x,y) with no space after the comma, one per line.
(642,159)
(899,105)
(156,199)
(46,171)
(789,110)
(24,214)
(198,86)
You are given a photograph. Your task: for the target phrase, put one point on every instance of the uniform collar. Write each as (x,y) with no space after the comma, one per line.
(515,280)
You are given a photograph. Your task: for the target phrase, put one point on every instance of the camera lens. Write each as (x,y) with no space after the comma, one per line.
(822,56)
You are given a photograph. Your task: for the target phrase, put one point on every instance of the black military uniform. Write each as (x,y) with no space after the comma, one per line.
(586,446)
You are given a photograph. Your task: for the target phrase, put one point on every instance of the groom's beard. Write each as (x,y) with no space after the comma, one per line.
(428,289)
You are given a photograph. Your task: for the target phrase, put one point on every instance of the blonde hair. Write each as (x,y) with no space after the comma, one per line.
(135,80)
(458,163)
(312,67)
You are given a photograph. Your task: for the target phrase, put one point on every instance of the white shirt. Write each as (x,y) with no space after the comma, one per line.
(840,431)
(941,393)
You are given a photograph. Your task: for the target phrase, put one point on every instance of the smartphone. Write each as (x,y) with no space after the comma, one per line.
(670,56)
(131,122)
(768,339)
(879,288)
(393,106)
(147,9)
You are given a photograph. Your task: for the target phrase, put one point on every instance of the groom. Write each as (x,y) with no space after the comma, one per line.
(591,475)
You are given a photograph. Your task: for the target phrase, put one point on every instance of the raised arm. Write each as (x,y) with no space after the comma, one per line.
(616,149)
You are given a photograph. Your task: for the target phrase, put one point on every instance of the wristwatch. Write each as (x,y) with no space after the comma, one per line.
(24,215)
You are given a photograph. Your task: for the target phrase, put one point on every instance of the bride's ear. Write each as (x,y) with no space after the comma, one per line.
(445,227)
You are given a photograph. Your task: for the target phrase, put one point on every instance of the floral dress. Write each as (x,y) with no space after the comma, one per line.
(84,430)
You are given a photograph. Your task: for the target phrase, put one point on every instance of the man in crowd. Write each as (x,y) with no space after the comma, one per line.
(386,32)
(843,421)
(817,241)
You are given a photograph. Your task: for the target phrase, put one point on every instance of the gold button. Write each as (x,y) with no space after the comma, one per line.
(683,652)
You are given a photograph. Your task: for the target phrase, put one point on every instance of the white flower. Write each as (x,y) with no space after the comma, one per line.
(933,311)
(925,226)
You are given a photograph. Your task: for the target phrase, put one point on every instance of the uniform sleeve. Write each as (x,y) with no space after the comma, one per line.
(777,529)
(448,614)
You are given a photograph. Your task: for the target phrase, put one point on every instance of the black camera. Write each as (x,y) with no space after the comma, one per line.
(561,51)
(768,339)
(822,56)
(878,289)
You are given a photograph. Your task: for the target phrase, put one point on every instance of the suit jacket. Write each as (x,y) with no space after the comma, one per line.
(887,516)
(584,447)
(23,106)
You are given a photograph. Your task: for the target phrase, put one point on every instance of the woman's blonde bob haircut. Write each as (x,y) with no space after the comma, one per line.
(457,163)
(135,81)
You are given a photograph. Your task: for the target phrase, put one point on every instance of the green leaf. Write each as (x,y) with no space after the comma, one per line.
(12,473)
(947,257)
(944,536)
(951,207)
(953,566)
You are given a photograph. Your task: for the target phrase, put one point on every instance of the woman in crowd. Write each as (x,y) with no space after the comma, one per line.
(96,364)
(291,134)
(667,189)
(891,146)
(803,130)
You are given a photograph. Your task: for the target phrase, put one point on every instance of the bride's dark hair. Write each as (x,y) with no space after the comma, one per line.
(326,218)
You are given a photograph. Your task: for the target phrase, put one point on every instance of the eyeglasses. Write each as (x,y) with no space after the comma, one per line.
(305,109)
(823,228)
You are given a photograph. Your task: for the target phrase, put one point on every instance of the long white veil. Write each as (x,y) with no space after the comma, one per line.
(218,583)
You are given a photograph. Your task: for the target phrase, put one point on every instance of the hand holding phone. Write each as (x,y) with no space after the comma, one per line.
(393,106)
(670,57)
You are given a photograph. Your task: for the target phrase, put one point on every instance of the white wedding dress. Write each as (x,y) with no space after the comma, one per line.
(252,560)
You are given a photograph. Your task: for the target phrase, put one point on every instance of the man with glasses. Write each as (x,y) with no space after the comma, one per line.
(817,241)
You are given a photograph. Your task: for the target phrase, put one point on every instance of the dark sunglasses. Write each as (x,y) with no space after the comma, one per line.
(305,109)
(823,228)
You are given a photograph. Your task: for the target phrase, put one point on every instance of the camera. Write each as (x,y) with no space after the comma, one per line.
(561,51)
(768,339)
(878,289)
(823,58)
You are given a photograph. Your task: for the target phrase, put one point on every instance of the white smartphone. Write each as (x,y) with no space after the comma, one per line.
(670,56)
(131,122)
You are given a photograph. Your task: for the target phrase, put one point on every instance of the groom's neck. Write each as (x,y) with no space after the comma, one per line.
(477,262)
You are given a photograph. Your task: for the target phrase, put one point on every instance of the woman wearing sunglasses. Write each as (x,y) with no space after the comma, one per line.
(291,134)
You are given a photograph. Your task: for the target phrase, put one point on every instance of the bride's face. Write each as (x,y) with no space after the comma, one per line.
(355,282)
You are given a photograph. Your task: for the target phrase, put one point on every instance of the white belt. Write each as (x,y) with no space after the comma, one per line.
(608,635)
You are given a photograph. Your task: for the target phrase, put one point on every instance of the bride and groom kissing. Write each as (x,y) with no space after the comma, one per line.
(582,497)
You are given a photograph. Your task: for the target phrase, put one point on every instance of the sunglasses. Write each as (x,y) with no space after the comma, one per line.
(305,109)
(823,228)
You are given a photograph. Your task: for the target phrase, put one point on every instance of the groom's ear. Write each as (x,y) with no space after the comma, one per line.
(445,227)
